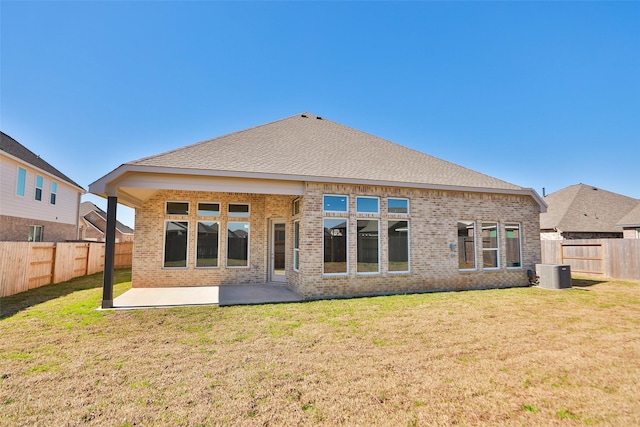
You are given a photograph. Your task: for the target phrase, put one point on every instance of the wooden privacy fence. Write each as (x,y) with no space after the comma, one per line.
(27,265)
(612,258)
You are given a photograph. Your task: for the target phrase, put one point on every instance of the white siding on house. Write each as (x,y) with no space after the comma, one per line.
(65,210)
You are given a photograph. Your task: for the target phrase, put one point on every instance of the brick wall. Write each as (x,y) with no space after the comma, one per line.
(433,227)
(433,221)
(148,268)
(14,229)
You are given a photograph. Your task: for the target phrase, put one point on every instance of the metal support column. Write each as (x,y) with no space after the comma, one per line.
(109,253)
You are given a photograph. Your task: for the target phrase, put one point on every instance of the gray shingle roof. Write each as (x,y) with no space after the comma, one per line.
(14,148)
(306,145)
(632,219)
(87,207)
(584,208)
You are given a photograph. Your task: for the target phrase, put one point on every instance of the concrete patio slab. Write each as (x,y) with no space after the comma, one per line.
(205,295)
(257,294)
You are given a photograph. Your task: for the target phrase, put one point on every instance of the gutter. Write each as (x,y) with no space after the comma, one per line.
(106,186)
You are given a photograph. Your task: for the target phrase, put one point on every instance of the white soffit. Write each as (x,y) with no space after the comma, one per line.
(136,188)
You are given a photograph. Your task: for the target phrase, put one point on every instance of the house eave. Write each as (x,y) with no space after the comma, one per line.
(44,172)
(108,185)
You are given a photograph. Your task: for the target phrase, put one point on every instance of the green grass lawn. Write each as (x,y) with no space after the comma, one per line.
(523,356)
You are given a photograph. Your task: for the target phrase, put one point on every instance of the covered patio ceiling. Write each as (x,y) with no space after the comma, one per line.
(133,188)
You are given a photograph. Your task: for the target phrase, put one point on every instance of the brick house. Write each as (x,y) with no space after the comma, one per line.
(93,224)
(37,202)
(585,212)
(630,224)
(327,209)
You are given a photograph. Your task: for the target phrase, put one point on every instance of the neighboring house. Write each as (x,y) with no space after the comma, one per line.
(584,212)
(328,209)
(93,223)
(37,201)
(630,224)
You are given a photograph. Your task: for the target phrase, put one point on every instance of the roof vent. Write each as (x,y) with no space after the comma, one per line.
(303,115)
(318,118)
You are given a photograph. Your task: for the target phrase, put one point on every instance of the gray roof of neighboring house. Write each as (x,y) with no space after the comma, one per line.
(585,208)
(87,207)
(312,147)
(632,219)
(15,149)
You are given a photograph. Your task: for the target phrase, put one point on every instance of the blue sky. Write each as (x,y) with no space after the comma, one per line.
(540,94)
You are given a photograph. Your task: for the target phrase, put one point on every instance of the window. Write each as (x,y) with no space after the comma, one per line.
(208,209)
(175,244)
(35,233)
(177,208)
(296,245)
(368,243)
(398,206)
(296,206)
(514,245)
(466,245)
(490,250)
(335,245)
(237,244)
(207,244)
(367,205)
(39,184)
(239,210)
(335,203)
(398,246)
(22,179)
(54,191)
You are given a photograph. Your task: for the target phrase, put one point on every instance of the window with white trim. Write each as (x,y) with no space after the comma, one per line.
(368,246)
(35,233)
(335,203)
(335,242)
(466,245)
(296,245)
(490,246)
(39,185)
(208,209)
(398,246)
(237,244)
(176,236)
(238,210)
(367,205)
(177,208)
(207,243)
(296,206)
(21,181)
(514,244)
(397,206)
(54,192)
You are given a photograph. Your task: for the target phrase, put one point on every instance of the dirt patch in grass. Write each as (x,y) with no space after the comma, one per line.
(524,356)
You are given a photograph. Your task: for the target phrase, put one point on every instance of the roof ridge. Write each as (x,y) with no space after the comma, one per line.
(419,152)
(133,162)
(48,167)
(305,147)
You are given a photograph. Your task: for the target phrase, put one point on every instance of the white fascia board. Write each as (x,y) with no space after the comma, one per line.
(90,224)
(117,178)
(210,184)
(44,172)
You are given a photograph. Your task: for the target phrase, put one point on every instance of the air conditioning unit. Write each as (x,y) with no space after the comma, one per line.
(554,276)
